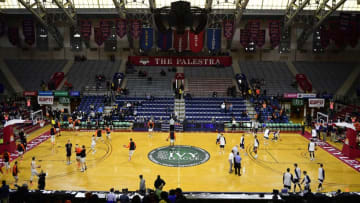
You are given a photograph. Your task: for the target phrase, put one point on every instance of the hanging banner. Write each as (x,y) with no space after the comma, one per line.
(74,93)
(228,29)
(29,31)
(45,93)
(196,41)
(98,36)
(46,100)
(164,41)
(146,38)
(316,102)
(135,29)
(181,41)
(213,39)
(121,27)
(180,60)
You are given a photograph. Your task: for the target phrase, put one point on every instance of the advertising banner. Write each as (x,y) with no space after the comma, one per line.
(316,102)
(46,100)
(45,93)
(30,93)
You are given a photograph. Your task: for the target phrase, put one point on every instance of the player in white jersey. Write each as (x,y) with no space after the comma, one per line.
(242,142)
(33,169)
(311,149)
(321,177)
(307,182)
(266,136)
(313,133)
(297,176)
(256,146)
(93,144)
(287,179)
(218,137)
(276,135)
(222,142)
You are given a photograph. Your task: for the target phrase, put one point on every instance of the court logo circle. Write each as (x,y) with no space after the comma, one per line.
(179,156)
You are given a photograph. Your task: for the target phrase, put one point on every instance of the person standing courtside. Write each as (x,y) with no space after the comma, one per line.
(222,142)
(142,186)
(287,179)
(237,164)
(242,142)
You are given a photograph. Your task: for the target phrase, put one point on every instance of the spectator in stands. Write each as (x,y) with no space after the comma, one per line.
(164,197)
(124,198)
(111,197)
(4,192)
(172,196)
(151,198)
(180,198)
(214,94)
(222,106)
(41,181)
(136,199)
(162,72)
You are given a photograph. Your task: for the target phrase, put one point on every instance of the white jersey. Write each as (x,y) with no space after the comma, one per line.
(172,122)
(256,143)
(297,173)
(33,165)
(93,142)
(234,122)
(287,179)
(311,146)
(313,133)
(266,133)
(321,174)
(222,140)
(231,157)
(242,140)
(218,136)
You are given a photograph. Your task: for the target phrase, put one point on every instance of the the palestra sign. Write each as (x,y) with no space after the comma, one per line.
(180,60)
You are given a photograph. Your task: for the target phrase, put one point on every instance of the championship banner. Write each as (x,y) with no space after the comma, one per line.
(228,29)
(180,60)
(164,41)
(98,36)
(181,41)
(146,38)
(196,41)
(121,27)
(214,39)
(316,102)
(46,100)
(135,29)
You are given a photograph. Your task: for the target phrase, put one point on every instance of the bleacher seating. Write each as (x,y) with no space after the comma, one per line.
(83,74)
(325,76)
(30,73)
(158,86)
(86,101)
(158,109)
(266,112)
(208,109)
(276,75)
(203,81)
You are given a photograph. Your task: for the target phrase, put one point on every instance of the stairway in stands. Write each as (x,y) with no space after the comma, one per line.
(180,109)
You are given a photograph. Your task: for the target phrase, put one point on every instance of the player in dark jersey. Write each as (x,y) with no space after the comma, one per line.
(6,160)
(68,147)
(21,150)
(172,138)
(99,135)
(15,172)
(132,147)
(83,158)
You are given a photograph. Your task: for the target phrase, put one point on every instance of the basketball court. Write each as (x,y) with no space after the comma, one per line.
(207,172)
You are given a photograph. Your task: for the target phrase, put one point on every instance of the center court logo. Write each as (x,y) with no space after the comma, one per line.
(179,156)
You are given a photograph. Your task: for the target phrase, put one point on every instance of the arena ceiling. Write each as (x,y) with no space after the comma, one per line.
(349,5)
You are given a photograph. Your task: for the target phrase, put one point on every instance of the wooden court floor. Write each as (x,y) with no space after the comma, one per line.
(109,166)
